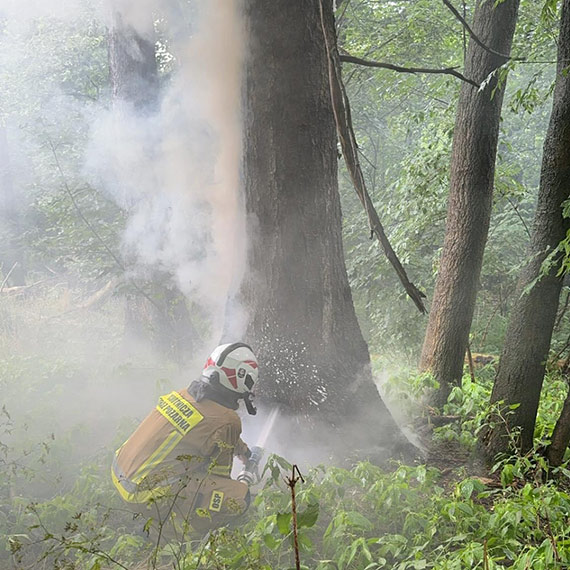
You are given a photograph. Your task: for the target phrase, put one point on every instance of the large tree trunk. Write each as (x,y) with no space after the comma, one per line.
(160,317)
(470,199)
(302,324)
(527,342)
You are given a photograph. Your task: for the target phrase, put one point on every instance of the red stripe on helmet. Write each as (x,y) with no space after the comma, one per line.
(252,363)
(231,374)
(209,362)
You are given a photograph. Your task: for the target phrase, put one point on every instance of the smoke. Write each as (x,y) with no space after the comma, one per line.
(176,170)
(31,10)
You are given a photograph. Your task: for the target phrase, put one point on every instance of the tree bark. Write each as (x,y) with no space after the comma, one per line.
(132,63)
(470,199)
(314,360)
(527,342)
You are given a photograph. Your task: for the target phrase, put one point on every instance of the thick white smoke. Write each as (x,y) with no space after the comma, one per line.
(176,170)
(31,10)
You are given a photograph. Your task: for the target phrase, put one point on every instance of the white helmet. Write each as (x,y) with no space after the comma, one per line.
(235,366)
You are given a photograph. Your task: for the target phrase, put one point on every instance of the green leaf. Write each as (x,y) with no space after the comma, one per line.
(467,488)
(507,475)
(283,463)
(421,473)
(355,519)
(464,508)
(309,516)
(284,522)
(305,542)
(270,541)
(147,525)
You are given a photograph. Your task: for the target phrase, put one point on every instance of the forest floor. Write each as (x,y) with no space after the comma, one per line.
(58,506)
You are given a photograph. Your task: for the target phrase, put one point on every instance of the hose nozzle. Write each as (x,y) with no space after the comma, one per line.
(250,474)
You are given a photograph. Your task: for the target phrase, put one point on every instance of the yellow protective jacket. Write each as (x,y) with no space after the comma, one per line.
(180,444)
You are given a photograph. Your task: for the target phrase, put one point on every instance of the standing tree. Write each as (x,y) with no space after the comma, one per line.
(132,64)
(521,369)
(302,320)
(159,314)
(470,198)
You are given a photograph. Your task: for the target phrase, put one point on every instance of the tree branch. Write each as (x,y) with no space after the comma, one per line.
(94,231)
(345,131)
(382,65)
(291,482)
(515,208)
(8,276)
(80,212)
(473,35)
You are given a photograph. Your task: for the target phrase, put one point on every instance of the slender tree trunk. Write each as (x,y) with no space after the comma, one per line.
(162,318)
(527,342)
(470,199)
(132,63)
(560,436)
(314,360)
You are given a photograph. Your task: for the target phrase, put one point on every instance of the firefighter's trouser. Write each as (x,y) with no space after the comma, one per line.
(191,508)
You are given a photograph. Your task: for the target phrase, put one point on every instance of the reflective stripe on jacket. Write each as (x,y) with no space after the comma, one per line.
(178,438)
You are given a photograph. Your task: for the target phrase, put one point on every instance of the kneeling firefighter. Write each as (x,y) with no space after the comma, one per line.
(175,468)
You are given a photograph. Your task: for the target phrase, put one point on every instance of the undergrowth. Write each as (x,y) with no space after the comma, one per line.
(58,508)
(364,517)
(359,518)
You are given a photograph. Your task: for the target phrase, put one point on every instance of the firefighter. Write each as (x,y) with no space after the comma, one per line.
(175,468)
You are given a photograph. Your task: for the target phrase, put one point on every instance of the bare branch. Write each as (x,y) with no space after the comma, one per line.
(345,131)
(473,35)
(382,65)
(291,482)
(80,212)
(8,276)
(517,212)
(20,288)
(94,231)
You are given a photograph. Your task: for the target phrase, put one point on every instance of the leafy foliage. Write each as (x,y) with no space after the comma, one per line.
(404,126)
(407,518)
(437,515)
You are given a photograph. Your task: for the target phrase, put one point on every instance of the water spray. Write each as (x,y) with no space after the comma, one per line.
(250,474)
(267,427)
